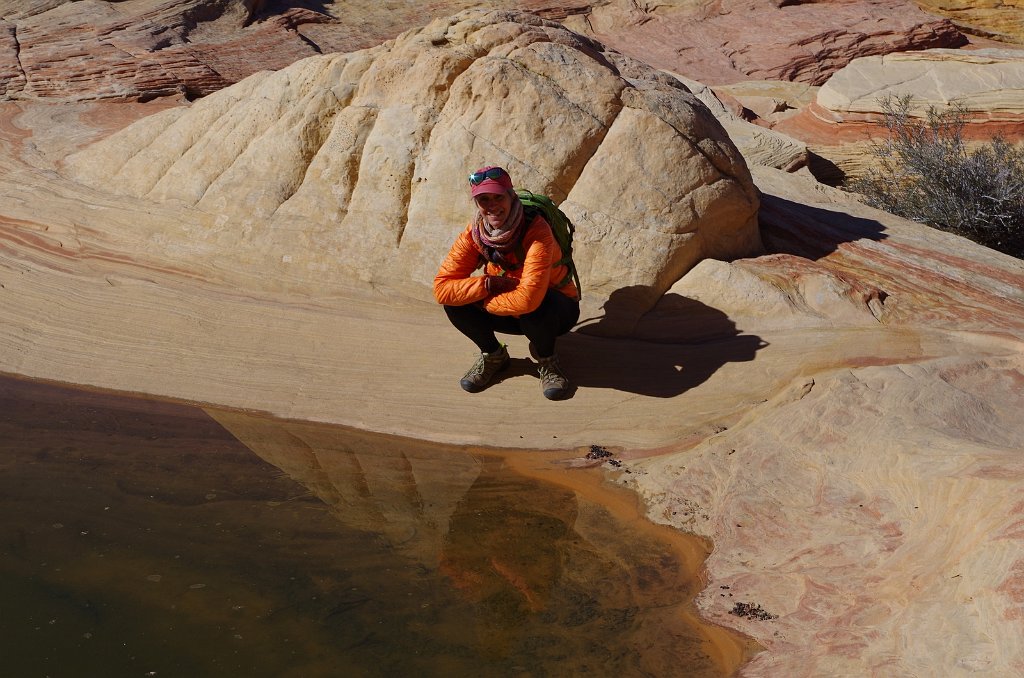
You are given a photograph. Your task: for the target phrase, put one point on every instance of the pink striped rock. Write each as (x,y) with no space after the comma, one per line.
(758,40)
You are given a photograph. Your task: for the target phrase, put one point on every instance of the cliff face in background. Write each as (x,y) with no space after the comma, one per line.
(736,40)
(60,49)
(830,394)
(998,20)
(84,50)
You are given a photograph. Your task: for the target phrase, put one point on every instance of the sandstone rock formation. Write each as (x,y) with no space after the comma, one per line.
(355,164)
(1002,20)
(73,51)
(846,114)
(840,416)
(757,144)
(149,48)
(735,40)
(872,505)
(985,81)
(76,51)
(769,100)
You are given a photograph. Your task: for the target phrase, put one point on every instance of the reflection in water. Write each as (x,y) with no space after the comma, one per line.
(142,538)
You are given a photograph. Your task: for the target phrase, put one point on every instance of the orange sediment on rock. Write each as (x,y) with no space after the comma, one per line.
(728,648)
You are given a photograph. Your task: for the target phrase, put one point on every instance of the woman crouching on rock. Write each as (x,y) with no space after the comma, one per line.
(523,290)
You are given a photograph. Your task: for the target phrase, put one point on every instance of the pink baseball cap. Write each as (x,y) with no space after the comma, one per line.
(490,179)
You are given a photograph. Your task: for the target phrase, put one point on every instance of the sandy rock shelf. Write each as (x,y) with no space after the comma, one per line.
(383,363)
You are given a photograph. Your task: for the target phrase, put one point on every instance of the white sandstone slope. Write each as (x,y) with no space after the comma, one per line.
(353,166)
(847,113)
(985,81)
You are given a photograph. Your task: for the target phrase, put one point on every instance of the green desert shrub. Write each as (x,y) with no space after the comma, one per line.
(925,171)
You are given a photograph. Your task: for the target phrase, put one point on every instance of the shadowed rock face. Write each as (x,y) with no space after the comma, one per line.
(358,162)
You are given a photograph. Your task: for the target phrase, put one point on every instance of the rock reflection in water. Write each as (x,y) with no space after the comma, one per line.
(404,492)
(553,582)
(140,537)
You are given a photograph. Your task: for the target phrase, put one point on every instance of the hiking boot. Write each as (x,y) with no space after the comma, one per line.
(552,381)
(484,369)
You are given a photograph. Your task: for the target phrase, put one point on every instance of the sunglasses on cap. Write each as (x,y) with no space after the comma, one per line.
(477,178)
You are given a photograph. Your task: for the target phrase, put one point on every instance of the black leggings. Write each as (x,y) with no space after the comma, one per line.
(555,316)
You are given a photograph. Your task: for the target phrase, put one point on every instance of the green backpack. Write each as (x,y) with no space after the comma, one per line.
(561,227)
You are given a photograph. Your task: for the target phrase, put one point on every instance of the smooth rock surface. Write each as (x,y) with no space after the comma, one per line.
(988,81)
(758,144)
(354,165)
(847,112)
(872,505)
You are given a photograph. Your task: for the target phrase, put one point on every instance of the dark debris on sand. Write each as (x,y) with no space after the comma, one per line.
(752,611)
(598,452)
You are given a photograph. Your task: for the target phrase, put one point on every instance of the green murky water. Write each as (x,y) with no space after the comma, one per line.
(148,539)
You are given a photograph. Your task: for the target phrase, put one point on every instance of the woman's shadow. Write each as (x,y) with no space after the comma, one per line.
(669,350)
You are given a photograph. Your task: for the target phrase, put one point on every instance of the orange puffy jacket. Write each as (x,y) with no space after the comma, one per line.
(455,284)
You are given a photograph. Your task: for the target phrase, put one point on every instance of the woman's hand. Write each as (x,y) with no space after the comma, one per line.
(496,284)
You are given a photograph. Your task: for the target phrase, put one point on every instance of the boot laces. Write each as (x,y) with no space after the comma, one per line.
(550,372)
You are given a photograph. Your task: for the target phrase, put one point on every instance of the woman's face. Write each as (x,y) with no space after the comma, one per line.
(494,207)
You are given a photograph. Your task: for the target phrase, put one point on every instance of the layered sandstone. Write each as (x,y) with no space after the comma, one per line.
(847,112)
(76,51)
(870,504)
(735,40)
(1001,20)
(353,166)
(985,81)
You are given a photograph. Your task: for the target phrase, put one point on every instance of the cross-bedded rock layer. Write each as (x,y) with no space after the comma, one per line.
(847,111)
(733,40)
(73,51)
